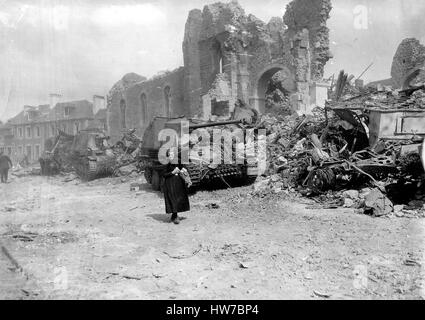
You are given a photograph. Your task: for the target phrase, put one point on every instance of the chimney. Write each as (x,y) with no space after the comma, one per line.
(98,103)
(54,98)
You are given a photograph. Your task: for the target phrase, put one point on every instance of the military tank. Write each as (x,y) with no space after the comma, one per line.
(200,171)
(87,152)
(91,156)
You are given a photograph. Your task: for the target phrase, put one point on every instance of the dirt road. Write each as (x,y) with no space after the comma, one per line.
(99,240)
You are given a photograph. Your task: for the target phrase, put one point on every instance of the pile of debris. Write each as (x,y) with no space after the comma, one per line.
(127,152)
(386,98)
(328,156)
(30,170)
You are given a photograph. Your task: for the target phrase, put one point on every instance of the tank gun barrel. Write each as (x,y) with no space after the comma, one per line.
(213,124)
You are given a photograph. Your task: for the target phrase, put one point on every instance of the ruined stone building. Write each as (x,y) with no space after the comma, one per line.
(230,57)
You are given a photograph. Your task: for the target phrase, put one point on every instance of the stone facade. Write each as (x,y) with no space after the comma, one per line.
(229,56)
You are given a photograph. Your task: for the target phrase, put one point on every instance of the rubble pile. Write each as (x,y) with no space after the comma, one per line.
(31,170)
(385,99)
(290,148)
(327,156)
(127,152)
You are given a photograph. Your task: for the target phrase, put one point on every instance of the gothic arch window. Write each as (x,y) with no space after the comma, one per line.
(144,105)
(217,57)
(167,93)
(123,108)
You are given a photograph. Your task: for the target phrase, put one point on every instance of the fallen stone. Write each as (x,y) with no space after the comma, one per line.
(348,203)
(377,204)
(70,177)
(282,159)
(127,170)
(398,210)
(351,194)
(275,178)
(284,142)
(134,174)
(261,185)
(277,190)
(416,204)
(364,192)
(278,185)
(360,203)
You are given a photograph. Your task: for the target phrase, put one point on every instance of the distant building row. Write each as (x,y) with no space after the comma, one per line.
(25,134)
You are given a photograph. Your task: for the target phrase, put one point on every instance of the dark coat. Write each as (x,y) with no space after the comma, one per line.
(4,162)
(175,191)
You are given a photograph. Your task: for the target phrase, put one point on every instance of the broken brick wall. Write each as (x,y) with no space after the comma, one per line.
(192,73)
(311,15)
(309,36)
(408,62)
(236,51)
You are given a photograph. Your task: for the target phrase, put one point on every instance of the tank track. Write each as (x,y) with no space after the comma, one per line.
(91,170)
(225,171)
(195,173)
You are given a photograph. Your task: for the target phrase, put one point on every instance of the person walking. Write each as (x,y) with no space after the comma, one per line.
(176,182)
(4,166)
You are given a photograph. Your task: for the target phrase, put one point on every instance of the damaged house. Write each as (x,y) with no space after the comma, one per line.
(230,58)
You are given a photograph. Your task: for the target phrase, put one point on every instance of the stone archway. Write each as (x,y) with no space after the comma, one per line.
(261,84)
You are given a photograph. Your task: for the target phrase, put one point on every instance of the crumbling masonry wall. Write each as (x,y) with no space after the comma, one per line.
(309,17)
(408,63)
(192,76)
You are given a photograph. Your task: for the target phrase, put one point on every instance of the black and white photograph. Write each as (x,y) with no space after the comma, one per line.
(207,150)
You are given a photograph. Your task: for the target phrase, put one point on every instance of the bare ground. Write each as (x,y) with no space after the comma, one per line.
(99,240)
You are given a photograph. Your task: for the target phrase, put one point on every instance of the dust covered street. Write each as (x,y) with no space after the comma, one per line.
(99,240)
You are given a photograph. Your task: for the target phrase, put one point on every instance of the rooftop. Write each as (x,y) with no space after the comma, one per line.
(79,109)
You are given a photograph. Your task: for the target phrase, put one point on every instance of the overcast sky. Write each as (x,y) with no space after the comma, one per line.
(80,48)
